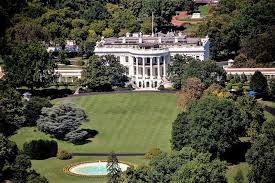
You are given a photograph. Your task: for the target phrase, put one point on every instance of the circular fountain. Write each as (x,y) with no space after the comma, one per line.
(92,169)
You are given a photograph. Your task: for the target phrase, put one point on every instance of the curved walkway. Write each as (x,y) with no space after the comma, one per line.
(107,154)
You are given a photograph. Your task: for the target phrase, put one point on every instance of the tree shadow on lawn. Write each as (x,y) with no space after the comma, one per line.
(91,134)
(236,154)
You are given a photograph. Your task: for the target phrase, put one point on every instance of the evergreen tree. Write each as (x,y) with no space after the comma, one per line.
(114,171)
(258,83)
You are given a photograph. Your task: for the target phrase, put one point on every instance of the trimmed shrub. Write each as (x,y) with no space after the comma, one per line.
(40,149)
(79,63)
(64,155)
(161,87)
(229,86)
(240,86)
(152,153)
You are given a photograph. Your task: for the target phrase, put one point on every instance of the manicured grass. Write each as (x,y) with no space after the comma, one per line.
(134,122)
(269,116)
(232,170)
(204,10)
(52,168)
(267,103)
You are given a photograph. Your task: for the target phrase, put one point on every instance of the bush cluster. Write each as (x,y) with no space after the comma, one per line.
(64,155)
(152,153)
(63,122)
(161,87)
(40,149)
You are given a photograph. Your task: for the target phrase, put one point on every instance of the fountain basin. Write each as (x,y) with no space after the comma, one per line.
(92,169)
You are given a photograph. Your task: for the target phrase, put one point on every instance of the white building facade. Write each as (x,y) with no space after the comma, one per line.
(146,58)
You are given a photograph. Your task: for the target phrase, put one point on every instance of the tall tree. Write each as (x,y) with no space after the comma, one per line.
(261,156)
(32,109)
(192,90)
(183,67)
(29,65)
(114,170)
(14,166)
(101,73)
(210,124)
(186,165)
(176,69)
(258,83)
(252,115)
(201,169)
(11,109)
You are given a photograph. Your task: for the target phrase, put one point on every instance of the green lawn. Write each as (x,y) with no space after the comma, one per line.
(232,170)
(267,103)
(204,10)
(52,168)
(133,122)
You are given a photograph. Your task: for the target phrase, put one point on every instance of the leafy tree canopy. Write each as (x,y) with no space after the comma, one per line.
(11,109)
(186,165)
(183,67)
(242,28)
(210,124)
(29,65)
(101,73)
(15,166)
(261,155)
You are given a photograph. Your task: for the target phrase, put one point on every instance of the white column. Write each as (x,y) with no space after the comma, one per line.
(133,69)
(158,67)
(151,68)
(136,67)
(164,67)
(143,68)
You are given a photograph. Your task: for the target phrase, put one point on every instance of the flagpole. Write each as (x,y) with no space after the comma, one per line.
(152,24)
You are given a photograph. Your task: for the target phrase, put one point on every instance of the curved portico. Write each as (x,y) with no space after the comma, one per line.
(149,70)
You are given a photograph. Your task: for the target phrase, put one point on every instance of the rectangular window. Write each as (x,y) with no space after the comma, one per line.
(118,58)
(126,59)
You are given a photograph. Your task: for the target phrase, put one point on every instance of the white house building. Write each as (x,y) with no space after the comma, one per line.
(146,58)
